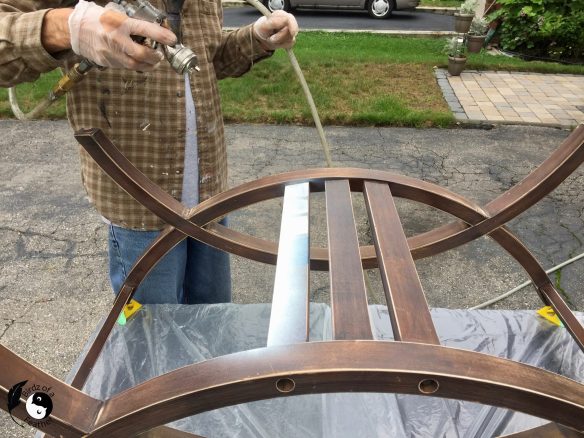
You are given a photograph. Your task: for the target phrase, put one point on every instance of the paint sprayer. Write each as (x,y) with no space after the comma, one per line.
(181,58)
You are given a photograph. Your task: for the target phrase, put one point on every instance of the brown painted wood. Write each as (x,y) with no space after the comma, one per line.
(73,411)
(408,308)
(108,157)
(348,293)
(167,432)
(549,430)
(267,188)
(569,157)
(272,186)
(344,366)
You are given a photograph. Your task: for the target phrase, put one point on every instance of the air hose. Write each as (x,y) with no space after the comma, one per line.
(525,284)
(296,67)
(68,81)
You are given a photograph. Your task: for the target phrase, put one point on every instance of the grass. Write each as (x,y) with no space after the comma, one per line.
(29,94)
(353,78)
(356,79)
(441,3)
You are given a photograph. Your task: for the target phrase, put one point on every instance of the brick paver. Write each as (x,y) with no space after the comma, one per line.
(531,98)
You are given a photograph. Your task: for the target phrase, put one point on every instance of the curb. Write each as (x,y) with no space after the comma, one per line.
(411,33)
(437,10)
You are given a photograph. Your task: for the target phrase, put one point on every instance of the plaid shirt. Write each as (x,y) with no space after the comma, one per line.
(143,113)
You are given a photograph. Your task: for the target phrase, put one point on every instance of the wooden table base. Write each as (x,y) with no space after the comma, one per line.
(415,363)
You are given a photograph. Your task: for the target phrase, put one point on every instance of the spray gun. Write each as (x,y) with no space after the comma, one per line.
(181,58)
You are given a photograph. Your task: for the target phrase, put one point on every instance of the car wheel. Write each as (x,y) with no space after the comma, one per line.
(278,5)
(379,8)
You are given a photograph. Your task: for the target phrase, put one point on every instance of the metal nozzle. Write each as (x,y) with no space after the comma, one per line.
(182,59)
(142,10)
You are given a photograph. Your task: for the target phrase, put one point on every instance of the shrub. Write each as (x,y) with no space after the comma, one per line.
(542,28)
(479,26)
(468,7)
(455,47)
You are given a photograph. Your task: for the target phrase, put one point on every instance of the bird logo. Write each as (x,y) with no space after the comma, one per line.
(14,399)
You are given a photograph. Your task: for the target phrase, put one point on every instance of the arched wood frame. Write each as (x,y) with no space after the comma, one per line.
(357,364)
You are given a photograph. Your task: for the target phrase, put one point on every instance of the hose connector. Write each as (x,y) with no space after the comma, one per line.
(73,76)
(181,58)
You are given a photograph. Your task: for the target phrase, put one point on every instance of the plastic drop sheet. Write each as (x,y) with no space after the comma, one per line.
(161,338)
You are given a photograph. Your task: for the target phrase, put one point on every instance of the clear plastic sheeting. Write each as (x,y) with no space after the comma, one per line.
(161,338)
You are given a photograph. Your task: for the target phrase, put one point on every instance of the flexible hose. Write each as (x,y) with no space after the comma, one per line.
(34,113)
(325,147)
(522,285)
(37,110)
(14,104)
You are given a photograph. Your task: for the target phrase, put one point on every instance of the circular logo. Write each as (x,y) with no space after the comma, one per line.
(39,405)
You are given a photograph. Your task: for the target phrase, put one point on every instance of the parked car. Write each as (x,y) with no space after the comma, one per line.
(376,8)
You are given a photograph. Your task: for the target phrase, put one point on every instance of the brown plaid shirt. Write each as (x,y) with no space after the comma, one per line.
(143,113)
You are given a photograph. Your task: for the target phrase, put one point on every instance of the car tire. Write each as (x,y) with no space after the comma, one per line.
(278,5)
(380,8)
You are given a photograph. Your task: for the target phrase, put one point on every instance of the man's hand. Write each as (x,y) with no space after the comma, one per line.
(103,35)
(276,32)
(55,31)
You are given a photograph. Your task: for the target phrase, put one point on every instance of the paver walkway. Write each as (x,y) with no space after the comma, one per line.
(515,97)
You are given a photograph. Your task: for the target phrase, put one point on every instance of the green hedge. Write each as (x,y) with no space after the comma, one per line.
(542,28)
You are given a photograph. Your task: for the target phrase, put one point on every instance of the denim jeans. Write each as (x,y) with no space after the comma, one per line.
(191,273)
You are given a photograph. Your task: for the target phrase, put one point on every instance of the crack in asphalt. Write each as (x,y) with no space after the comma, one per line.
(7,326)
(34,233)
(15,320)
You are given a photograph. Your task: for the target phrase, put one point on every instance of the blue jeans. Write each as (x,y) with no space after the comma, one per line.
(191,273)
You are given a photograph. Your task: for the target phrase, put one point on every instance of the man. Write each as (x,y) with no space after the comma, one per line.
(169,126)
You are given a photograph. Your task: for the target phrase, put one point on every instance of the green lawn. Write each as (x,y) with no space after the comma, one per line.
(441,3)
(29,94)
(356,79)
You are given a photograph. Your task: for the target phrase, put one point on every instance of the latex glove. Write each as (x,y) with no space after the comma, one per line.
(102,35)
(276,32)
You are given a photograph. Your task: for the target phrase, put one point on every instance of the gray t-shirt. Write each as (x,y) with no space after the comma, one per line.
(190,188)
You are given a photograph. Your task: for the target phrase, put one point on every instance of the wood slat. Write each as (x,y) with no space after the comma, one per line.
(289,316)
(408,308)
(348,293)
